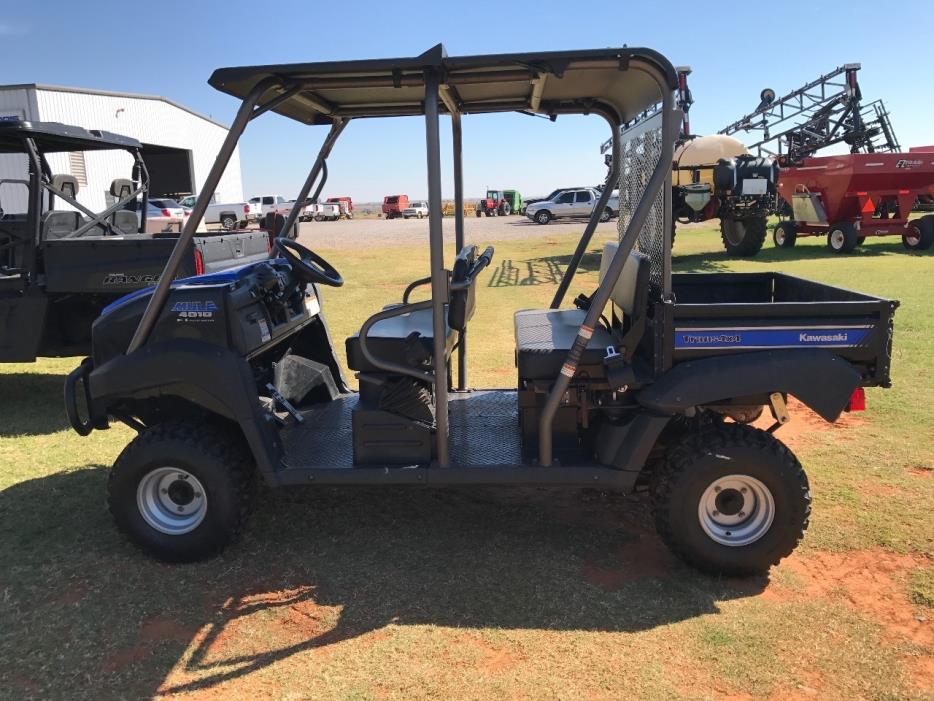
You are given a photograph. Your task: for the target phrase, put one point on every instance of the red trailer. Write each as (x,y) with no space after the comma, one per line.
(852,196)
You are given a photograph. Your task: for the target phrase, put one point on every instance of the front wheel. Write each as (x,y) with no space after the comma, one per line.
(542,217)
(731,499)
(743,237)
(843,238)
(182,491)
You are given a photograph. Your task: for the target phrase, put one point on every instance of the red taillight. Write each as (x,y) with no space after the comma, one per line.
(199,263)
(246,209)
(857,400)
(166,213)
(186,212)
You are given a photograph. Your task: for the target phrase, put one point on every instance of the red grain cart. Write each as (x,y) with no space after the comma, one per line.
(849,197)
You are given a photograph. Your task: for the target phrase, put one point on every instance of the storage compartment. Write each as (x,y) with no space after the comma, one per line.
(722,313)
(381,438)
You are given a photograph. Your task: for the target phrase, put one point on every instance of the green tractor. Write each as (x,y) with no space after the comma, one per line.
(500,203)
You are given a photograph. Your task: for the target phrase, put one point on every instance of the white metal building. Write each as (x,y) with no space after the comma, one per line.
(179,145)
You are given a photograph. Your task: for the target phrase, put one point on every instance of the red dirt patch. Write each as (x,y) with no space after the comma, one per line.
(870,581)
(492,659)
(643,558)
(921,670)
(152,632)
(805,424)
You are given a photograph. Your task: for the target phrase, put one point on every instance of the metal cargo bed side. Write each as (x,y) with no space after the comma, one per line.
(726,313)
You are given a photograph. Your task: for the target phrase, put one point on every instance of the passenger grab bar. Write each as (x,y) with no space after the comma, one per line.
(483,260)
(386,365)
(413,286)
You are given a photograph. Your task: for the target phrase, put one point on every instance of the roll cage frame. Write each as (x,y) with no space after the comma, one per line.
(35,140)
(436,83)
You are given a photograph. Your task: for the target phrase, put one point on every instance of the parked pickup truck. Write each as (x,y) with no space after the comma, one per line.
(416,209)
(263,204)
(229,215)
(61,263)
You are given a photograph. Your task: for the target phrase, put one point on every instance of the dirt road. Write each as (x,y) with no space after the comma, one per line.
(382,232)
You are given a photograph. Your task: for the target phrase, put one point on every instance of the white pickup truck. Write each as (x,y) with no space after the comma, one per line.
(228,214)
(417,209)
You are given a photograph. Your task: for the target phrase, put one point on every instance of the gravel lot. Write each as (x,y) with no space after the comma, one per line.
(383,232)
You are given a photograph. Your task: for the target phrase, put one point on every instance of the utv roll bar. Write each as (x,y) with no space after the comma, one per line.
(35,140)
(616,84)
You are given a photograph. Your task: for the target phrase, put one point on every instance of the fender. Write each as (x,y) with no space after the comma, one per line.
(817,377)
(205,375)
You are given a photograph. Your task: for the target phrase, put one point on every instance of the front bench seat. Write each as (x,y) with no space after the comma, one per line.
(403,339)
(408,339)
(545,336)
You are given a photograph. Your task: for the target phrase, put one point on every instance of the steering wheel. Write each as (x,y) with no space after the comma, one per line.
(307,264)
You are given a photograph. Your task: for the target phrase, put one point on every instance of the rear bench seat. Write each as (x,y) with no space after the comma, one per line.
(545,336)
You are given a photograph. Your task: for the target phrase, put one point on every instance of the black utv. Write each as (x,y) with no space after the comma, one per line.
(61,263)
(232,377)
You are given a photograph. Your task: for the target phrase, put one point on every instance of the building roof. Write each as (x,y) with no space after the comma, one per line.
(550,83)
(108,93)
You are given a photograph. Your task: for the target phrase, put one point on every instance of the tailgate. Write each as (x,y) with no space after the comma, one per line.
(108,264)
(228,250)
(725,313)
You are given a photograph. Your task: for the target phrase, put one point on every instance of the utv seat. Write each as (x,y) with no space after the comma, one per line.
(408,338)
(545,336)
(59,223)
(124,221)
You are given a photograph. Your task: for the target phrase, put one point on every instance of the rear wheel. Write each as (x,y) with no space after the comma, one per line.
(542,217)
(479,213)
(606,215)
(182,491)
(920,234)
(842,238)
(228,222)
(731,499)
(506,209)
(743,237)
(784,235)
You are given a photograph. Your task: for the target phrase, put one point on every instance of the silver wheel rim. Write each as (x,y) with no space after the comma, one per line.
(171,500)
(780,236)
(736,510)
(836,239)
(913,237)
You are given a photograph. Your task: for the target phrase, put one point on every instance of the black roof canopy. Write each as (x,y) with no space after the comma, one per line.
(548,83)
(54,136)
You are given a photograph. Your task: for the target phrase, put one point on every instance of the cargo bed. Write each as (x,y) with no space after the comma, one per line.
(722,313)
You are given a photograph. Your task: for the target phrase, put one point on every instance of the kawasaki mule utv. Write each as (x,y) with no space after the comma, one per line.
(233,376)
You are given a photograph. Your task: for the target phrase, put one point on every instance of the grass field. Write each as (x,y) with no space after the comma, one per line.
(399,594)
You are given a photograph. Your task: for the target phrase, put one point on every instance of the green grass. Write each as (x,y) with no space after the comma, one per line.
(452,594)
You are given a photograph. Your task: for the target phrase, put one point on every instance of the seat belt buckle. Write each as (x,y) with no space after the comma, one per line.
(619,373)
(582,301)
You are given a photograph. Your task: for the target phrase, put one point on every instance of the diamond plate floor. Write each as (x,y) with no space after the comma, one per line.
(484,430)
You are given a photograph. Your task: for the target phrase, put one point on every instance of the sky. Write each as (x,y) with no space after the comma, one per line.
(170,48)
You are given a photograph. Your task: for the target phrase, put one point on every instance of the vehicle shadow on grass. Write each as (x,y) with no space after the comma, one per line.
(317,568)
(547,270)
(31,404)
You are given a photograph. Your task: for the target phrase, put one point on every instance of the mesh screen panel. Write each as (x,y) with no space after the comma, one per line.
(640,149)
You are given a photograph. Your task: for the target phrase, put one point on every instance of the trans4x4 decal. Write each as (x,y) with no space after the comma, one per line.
(771,337)
(194,311)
